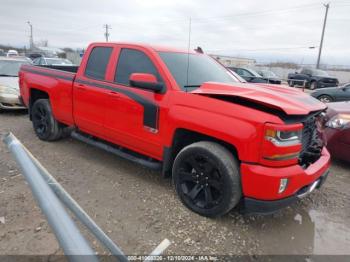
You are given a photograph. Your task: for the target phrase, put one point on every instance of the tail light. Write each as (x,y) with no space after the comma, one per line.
(281,144)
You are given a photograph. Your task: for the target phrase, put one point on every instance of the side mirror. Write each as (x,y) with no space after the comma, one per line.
(145,81)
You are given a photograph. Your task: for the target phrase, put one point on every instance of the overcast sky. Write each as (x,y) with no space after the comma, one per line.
(269,30)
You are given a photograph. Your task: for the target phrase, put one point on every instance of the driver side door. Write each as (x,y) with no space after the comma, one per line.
(132,114)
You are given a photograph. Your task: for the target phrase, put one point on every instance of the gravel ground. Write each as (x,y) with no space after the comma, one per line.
(137,208)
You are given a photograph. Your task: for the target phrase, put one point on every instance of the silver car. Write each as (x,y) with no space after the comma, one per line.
(9,89)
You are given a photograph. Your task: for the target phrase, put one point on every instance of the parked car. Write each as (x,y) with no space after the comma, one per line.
(51,61)
(34,55)
(337,130)
(9,90)
(225,143)
(249,75)
(312,78)
(12,53)
(333,94)
(2,53)
(270,76)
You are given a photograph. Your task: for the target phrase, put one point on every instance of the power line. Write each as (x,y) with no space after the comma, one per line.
(107,27)
(267,49)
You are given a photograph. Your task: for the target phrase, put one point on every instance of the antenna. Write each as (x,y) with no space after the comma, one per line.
(188,51)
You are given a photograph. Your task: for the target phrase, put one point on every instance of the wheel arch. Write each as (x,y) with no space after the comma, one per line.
(183,137)
(34,95)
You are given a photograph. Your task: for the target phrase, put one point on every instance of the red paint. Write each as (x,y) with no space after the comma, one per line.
(140,77)
(117,118)
(338,140)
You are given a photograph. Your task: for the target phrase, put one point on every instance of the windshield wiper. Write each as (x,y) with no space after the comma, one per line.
(7,75)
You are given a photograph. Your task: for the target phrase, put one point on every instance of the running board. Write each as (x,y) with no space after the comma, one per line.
(119,151)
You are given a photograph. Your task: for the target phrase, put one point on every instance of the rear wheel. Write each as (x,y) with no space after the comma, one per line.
(325,98)
(46,127)
(207,179)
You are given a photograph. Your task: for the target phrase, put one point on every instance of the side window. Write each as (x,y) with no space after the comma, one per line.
(133,61)
(306,72)
(97,64)
(244,72)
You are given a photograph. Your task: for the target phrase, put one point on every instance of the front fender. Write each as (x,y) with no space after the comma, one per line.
(245,136)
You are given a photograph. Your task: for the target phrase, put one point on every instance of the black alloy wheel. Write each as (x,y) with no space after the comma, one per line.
(207,180)
(46,127)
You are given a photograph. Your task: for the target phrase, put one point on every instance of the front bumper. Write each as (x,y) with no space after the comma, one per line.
(254,206)
(324,85)
(261,183)
(10,101)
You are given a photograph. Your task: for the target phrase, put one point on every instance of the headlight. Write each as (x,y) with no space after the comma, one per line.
(281,145)
(284,138)
(339,121)
(8,90)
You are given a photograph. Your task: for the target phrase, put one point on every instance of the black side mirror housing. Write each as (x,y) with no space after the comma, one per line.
(156,87)
(146,81)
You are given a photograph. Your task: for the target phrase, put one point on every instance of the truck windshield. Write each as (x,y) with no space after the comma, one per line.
(201,69)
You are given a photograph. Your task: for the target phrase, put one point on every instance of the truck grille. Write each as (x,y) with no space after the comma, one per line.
(312,143)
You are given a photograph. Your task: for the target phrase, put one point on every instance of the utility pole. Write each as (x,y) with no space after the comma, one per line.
(107,27)
(322,36)
(31,41)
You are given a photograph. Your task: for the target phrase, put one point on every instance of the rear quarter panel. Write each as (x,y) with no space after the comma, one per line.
(58,86)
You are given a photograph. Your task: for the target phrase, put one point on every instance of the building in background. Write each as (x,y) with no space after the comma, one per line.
(234,61)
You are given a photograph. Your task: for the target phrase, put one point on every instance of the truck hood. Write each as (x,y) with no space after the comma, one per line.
(289,100)
(9,81)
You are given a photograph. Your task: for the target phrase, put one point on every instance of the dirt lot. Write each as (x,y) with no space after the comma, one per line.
(138,208)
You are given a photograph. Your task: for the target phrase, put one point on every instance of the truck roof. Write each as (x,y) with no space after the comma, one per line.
(157,48)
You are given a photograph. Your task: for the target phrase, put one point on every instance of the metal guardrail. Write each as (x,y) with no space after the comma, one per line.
(51,197)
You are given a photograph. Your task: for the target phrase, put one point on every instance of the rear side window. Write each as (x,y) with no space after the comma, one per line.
(97,64)
(133,61)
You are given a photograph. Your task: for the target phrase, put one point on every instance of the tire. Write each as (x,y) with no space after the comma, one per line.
(207,178)
(46,127)
(313,85)
(291,83)
(325,98)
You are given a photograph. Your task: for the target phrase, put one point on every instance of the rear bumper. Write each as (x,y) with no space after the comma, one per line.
(261,184)
(255,206)
(9,101)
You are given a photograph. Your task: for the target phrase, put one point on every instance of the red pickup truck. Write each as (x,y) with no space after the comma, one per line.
(225,143)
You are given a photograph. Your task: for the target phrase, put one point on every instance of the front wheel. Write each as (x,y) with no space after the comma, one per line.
(46,127)
(325,98)
(313,85)
(207,178)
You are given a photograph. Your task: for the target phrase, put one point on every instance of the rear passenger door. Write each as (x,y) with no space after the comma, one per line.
(89,99)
